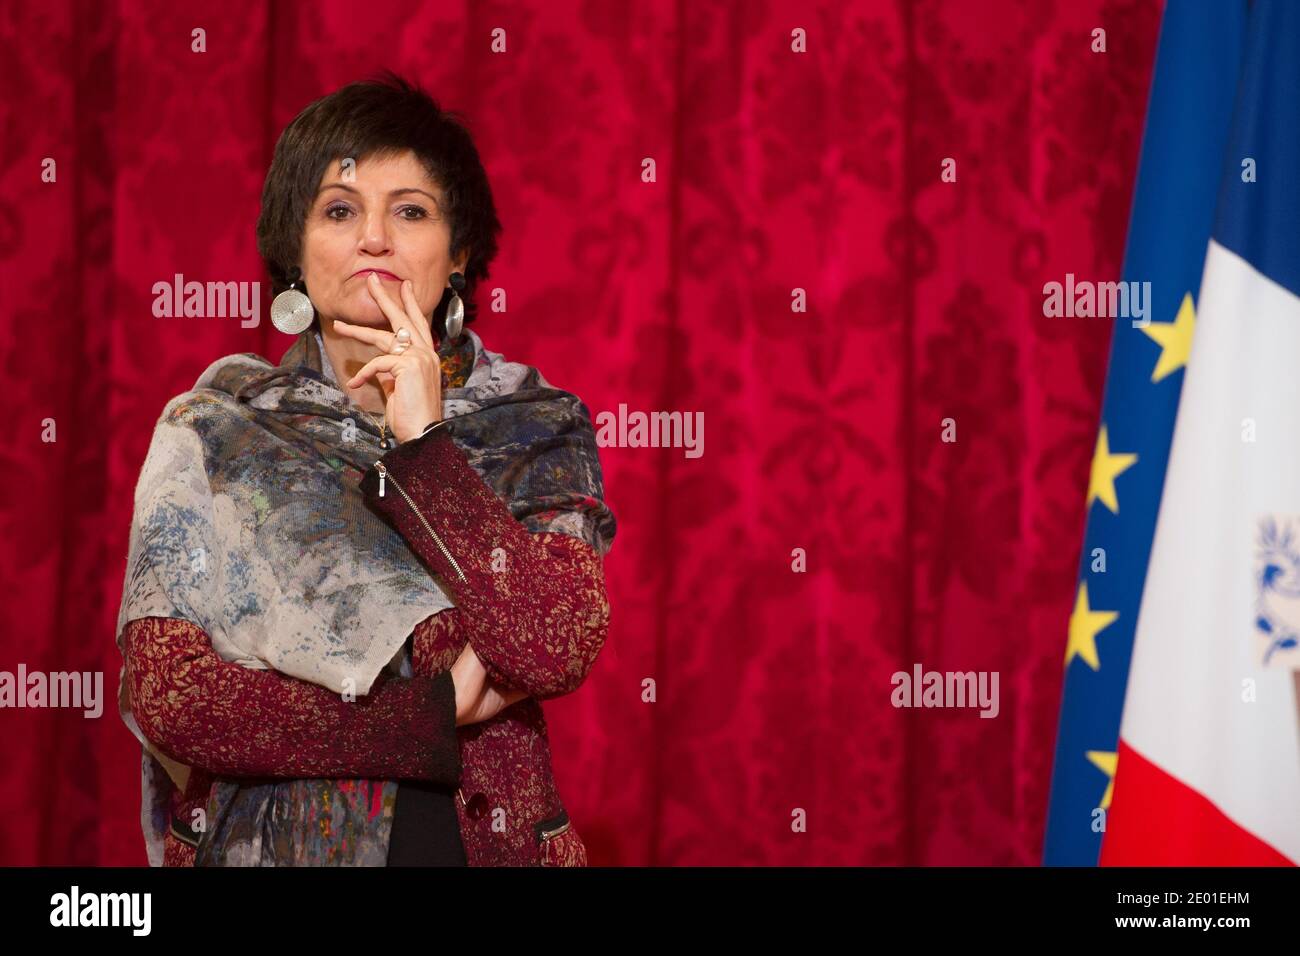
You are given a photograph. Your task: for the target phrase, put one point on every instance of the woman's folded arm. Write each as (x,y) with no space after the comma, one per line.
(439,639)
(534,605)
(234,721)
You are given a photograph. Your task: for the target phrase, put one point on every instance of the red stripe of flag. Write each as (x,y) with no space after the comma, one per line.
(1156,820)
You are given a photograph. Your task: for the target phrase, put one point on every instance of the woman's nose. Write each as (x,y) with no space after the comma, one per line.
(374,238)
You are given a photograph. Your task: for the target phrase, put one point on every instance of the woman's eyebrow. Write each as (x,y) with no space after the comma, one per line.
(395,192)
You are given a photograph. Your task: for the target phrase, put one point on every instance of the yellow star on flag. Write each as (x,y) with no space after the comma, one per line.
(1105,468)
(1174,339)
(1105,761)
(1085,624)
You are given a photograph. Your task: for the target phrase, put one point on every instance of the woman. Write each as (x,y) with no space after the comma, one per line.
(354,575)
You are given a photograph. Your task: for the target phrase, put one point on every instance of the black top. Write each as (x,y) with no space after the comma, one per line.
(426,829)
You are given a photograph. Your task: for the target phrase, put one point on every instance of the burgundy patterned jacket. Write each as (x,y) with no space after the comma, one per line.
(536,612)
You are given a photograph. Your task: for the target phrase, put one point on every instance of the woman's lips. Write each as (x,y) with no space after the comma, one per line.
(379,272)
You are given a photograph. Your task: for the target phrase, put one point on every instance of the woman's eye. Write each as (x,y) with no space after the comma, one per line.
(410,213)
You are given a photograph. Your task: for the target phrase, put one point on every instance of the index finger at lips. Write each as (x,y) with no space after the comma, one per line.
(396,317)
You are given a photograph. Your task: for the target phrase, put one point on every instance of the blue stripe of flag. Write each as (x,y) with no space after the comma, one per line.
(1260,220)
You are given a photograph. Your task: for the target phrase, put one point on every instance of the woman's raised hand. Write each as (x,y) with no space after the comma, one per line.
(415,400)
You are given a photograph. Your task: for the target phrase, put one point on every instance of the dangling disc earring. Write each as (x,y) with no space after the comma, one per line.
(455,307)
(291,310)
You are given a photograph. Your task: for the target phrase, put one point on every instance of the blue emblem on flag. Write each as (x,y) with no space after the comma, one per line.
(1277,586)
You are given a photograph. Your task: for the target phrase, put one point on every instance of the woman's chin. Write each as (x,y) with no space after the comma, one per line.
(366,313)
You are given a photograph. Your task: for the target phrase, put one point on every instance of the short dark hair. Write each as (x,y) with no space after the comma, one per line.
(381,116)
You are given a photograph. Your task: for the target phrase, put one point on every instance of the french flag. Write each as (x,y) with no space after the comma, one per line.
(1207,768)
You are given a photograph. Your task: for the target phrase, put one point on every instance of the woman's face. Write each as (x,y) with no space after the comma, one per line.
(385,216)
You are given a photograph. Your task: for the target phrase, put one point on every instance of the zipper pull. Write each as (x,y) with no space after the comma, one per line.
(383,472)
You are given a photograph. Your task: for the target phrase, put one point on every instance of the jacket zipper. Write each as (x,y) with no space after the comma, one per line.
(383,474)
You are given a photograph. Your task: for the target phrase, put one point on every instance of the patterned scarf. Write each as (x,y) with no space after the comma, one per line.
(249,523)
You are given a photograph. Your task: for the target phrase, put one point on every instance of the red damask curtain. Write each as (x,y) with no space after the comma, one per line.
(775,171)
